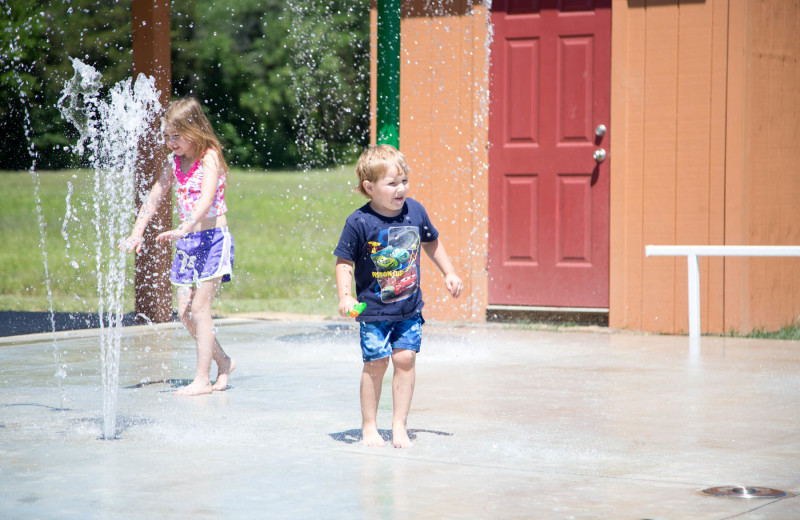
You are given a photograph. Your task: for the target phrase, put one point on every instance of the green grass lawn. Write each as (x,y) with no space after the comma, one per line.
(285,227)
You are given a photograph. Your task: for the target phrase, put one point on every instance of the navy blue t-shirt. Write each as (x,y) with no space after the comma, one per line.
(386,253)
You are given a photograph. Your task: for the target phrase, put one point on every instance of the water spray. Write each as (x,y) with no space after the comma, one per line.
(111,130)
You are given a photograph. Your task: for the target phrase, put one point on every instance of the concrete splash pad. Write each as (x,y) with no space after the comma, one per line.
(507,423)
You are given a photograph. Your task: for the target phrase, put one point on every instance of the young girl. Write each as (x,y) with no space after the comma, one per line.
(203,247)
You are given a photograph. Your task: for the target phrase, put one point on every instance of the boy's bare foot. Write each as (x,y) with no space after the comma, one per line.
(222,376)
(372,438)
(400,438)
(193,389)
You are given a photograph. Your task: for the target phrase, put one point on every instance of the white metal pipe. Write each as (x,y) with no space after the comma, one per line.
(693,269)
(693,274)
(722,250)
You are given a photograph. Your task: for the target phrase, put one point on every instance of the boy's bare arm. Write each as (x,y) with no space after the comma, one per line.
(344,285)
(437,253)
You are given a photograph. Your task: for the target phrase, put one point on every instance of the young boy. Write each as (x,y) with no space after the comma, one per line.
(382,239)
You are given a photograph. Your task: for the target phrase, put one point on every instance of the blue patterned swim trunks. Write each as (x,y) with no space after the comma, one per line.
(379,338)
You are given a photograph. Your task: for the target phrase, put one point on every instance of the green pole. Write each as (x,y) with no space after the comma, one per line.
(388,73)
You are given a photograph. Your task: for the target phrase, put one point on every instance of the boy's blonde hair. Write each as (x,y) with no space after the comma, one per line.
(375,162)
(186,116)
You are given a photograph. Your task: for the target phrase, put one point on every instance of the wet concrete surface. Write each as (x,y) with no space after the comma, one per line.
(507,421)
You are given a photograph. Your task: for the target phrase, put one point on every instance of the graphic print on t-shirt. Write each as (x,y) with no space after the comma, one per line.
(395,257)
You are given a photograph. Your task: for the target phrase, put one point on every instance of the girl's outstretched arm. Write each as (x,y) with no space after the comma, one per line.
(146,212)
(436,252)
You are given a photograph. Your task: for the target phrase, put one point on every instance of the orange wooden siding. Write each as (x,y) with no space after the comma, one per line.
(764,122)
(704,119)
(443,132)
(662,182)
(704,114)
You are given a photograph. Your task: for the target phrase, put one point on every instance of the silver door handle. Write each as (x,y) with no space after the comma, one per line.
(600,131)
(599,155)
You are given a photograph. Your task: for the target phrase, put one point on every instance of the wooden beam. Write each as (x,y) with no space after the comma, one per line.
(151,57)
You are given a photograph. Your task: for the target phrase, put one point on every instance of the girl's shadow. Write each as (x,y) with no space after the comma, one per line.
(354,436)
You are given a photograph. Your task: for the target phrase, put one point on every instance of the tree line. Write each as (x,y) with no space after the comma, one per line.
(286,84)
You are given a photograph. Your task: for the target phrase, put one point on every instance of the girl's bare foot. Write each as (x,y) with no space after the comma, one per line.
(400,438)
(372,438)
(194,388)
(222,375)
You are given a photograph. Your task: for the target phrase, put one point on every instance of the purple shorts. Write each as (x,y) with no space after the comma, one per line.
(203,256)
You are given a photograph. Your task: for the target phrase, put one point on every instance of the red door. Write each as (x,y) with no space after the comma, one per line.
(548,194)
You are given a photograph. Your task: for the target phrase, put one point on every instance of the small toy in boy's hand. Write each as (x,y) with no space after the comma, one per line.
(358,309)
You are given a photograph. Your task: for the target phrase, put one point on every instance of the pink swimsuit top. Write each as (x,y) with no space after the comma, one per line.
(187,190)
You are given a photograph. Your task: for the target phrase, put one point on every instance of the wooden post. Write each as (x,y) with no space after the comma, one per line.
(151,56)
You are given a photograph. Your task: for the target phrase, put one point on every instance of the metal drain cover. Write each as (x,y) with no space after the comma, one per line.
(745,492)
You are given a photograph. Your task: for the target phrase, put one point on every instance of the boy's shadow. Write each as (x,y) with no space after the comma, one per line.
(354,436)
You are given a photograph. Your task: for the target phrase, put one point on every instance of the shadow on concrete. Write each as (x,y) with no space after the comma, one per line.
(173,383)
(17,323)
(51,408)
(354,436)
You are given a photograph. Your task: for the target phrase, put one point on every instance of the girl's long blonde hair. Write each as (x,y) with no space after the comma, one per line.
(186,116)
